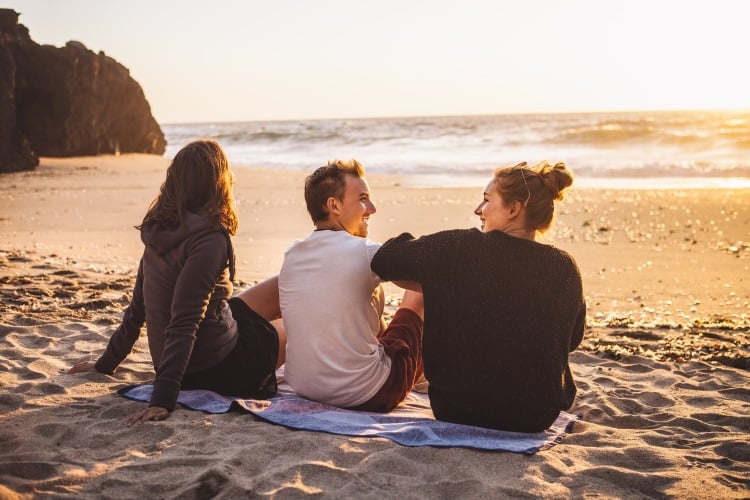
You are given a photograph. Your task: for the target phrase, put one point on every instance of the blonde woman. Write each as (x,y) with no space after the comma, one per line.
(502,310)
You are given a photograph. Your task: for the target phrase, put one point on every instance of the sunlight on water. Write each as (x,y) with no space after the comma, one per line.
(663,183)
(683,149)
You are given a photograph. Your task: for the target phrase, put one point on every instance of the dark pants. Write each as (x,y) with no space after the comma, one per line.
(402,342)
(249,371)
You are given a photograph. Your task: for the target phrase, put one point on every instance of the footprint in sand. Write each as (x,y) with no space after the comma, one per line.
(10,402)
(18,258)
(730,456)
(208,485)
(739,423)
(66,272)
(8,443)
(105,429)
(739,393)
(50,388)
(37,369)
(55,433)
(701,402)
(738,452)
(28,470)
(27,374)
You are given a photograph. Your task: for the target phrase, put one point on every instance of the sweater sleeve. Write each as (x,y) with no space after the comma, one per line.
(400,258)
(207,257)
(579,327)
(122,341)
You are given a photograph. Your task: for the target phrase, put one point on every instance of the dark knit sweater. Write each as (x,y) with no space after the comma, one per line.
(181,294)
(501,315)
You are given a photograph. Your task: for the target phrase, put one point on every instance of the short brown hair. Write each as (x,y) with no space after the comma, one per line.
(536,188)
(326,182)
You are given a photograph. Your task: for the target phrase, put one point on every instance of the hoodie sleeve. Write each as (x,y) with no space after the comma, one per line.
(207,257)
(122,341)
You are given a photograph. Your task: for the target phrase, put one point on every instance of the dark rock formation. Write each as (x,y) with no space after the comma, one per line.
(15,151)
(67,101)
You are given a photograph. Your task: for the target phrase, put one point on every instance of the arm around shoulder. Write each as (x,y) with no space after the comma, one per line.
(395,260)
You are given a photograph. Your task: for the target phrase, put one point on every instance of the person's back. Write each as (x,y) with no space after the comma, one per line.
(328,297)
(199,337)
(502,311)
(332,303)
(499,316)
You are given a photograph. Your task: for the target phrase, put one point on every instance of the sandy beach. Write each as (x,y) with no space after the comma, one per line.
(663,372)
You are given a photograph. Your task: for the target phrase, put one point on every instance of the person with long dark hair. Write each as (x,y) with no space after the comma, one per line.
(198,337)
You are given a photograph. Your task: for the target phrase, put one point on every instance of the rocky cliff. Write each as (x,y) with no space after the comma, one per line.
(67,101)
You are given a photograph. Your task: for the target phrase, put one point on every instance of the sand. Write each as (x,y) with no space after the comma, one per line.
(663,373)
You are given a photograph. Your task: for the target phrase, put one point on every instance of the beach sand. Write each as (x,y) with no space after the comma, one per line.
(663,372)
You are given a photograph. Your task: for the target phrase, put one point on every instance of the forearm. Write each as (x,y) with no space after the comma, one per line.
(122,340)
(409,285)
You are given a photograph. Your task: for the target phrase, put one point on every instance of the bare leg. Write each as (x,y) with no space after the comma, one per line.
(263,298)
(279,325)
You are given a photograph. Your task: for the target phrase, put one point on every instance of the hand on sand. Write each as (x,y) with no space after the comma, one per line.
(150,413)
(83,366)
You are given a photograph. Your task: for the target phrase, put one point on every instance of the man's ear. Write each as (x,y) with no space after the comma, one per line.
(333,205)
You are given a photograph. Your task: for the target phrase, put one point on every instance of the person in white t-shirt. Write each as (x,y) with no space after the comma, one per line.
(338,349)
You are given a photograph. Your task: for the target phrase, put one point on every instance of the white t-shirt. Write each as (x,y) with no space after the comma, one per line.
(329,303)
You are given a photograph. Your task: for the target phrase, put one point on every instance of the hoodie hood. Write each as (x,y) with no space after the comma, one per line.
(163,239)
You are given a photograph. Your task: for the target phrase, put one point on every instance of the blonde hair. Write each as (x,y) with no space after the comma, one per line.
(536,188)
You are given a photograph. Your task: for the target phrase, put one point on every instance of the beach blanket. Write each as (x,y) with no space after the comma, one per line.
(410,424)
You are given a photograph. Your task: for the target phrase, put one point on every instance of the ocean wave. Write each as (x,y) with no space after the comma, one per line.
(625,134)
(604,133)
(663,170)
(644,145)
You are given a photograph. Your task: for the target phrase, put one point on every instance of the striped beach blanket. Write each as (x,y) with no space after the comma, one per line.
(410,424)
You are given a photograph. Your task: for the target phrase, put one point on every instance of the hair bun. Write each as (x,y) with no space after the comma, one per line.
(555,177)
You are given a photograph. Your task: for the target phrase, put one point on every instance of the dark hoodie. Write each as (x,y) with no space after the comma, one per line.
(181,291)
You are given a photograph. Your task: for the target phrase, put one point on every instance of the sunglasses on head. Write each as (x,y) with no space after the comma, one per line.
(522,167)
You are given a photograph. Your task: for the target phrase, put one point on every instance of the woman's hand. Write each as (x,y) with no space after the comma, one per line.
(150,413)
(83,366)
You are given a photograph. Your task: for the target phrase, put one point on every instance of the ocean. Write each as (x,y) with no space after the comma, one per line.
(664,149)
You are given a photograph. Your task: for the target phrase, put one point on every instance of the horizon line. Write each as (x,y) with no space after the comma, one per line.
(467,115)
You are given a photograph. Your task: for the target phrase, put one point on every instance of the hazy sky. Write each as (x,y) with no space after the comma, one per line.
(285,59)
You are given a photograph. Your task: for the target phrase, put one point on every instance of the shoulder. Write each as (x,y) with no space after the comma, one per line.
(369,244)
(564,255)
(566,263)
(454,238)
(372,248)
(210,243)
(349,240)
(447,235)
(210,235)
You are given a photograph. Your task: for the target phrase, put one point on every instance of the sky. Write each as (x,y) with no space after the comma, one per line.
(304,59)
